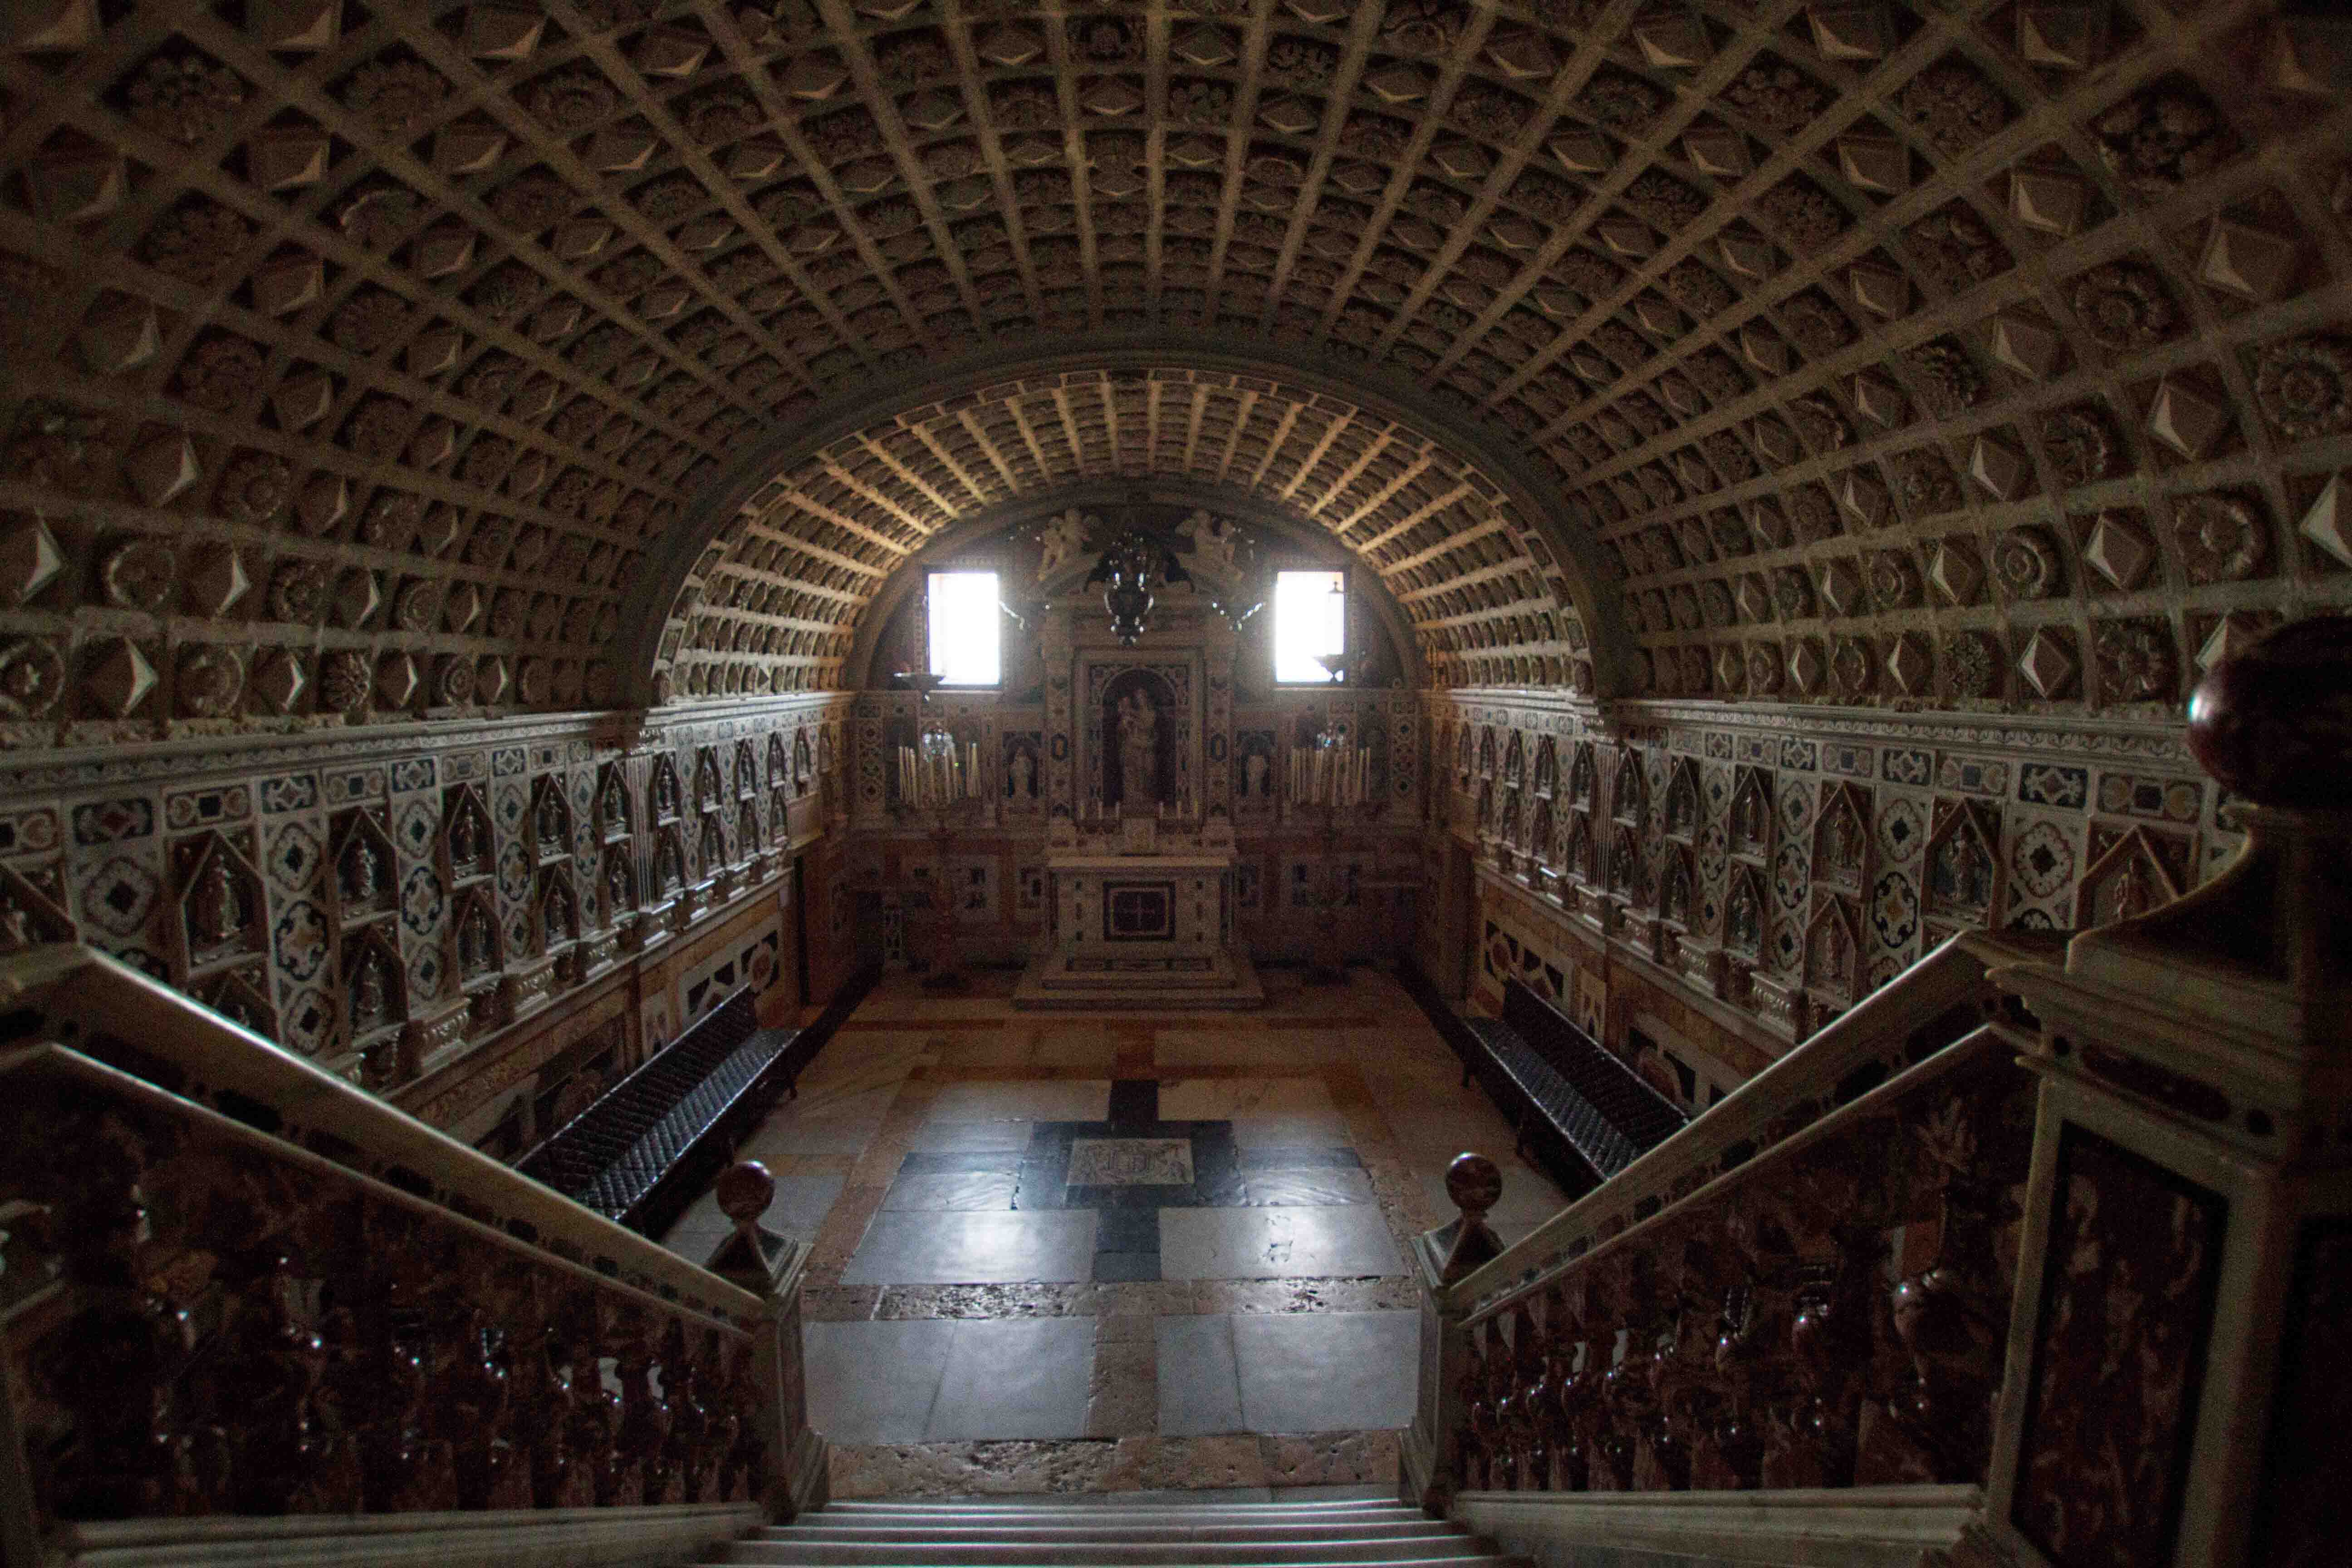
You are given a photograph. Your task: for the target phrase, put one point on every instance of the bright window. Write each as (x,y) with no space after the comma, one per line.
(966,628)
(1310,619)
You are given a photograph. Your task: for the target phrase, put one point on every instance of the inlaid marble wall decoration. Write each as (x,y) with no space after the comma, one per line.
(1788,863)
(385,903)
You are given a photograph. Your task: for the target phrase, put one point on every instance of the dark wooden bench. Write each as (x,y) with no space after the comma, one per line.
(653,1141)
(1577,1109)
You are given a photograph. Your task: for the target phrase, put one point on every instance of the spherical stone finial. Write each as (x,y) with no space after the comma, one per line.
(745,1191)
(2273,722)
(1475,1183)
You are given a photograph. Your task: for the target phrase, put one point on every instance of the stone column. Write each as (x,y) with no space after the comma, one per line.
(2179,1381)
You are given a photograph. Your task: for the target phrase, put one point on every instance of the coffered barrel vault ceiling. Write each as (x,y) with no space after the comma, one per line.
(366,363)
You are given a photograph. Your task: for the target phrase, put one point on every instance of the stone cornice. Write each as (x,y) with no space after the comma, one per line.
(194,758)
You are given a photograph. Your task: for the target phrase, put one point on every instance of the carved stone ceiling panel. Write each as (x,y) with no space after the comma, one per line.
(361,362)
(813,545)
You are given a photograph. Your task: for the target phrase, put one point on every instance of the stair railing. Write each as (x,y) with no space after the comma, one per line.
(2065,1285)
(240,1295)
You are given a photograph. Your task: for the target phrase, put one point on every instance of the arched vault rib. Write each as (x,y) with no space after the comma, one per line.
(762,584)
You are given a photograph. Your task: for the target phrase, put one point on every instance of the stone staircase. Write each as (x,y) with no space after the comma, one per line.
(1013,1533)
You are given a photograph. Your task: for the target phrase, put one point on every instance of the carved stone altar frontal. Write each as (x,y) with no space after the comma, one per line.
(1138,911)
(1108,680)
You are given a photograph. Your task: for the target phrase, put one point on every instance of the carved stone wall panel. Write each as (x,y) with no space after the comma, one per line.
(272,867)
(1924,824)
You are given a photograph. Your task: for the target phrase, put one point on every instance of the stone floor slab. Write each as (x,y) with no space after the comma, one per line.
(906,1248)
(1200,1386)
(1026,1377)
(1268,1244)
(1323,1372)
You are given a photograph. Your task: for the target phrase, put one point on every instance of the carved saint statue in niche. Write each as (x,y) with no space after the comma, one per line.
(363,871)
(550,821)
(1253,775)
(217,908)
(476,949)
(616,882)
(371,993)
(465,838)
(1021,775)
(1139,750)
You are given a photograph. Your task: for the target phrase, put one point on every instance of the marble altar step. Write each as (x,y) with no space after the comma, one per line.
(1086,979)
(1018,1533)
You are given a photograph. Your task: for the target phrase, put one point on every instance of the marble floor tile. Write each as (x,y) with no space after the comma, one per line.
(1221,1099)
(1023,1377)
(875,1381)
(1305,1189)
(1325,1129)
(1276,1242)
(1130,1162)
(952,1191)
(906,1248)
(1069,1100)
(936,1137)
(1327,1371)
(1200,1386)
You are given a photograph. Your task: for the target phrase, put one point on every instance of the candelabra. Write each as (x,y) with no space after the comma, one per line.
(936,778)
(1327,777)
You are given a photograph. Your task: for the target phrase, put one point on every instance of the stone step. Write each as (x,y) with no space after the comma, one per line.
(1178,1517)
(898,1554)
(1090,1504)
(1029,1526)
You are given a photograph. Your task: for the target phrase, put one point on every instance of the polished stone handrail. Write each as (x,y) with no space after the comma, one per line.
(1865,1047)
(84,998)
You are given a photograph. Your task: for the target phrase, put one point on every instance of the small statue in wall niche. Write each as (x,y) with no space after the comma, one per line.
(477,946)
(669,866)
(1021,775)
(560,913)
(371,993)
(665,793)
(550,820)
(1842,844)
(1139,750)
(465,838)
(616,883)
(1254,781)
(362,870)
(1063,538)
(218,909)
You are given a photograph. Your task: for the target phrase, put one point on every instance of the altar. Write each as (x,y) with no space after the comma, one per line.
(1145,929)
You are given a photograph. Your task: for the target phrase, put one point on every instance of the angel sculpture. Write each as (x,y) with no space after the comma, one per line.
(1063,538)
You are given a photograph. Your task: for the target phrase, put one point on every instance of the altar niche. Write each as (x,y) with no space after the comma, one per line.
(1142,731)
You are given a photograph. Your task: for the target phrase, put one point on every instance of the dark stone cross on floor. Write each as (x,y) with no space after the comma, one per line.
(1133,1164)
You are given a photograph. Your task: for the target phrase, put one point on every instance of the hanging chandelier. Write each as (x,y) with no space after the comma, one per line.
(1129,571)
